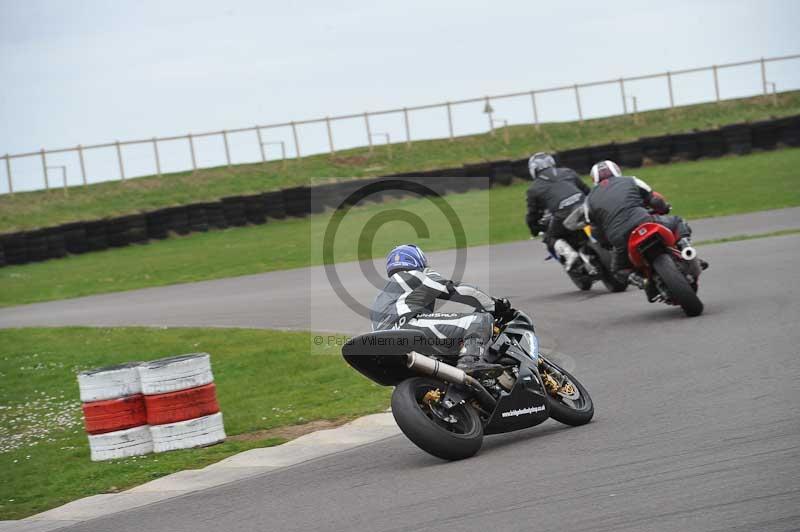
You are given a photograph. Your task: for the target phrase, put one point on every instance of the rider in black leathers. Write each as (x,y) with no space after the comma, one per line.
(617,205)
(559,191)
(408,302)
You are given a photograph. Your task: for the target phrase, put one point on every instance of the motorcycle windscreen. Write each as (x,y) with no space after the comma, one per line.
(524,406)
(381,355)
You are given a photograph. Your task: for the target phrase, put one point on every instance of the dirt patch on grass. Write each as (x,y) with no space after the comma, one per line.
(293,431)
(354,160)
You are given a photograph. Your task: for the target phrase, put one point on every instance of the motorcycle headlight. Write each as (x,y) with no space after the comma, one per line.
(530,344)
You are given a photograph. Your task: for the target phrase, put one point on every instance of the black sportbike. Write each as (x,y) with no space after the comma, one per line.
(446,412)
(594,263)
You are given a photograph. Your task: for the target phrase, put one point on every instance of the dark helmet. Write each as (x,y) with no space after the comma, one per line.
(539,162)
(604,170)
(404,258)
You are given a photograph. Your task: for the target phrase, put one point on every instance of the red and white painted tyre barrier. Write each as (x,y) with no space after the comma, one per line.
(181,402)
(182,405)
(114,412)
(138,408)
(110,382)
(197,432)
(175,373)
(121,443)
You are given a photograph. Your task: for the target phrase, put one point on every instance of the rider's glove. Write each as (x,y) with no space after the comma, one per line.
(502,307)
(659,204)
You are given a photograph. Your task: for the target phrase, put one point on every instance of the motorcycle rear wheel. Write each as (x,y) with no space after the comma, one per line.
(427,427)
(679,288)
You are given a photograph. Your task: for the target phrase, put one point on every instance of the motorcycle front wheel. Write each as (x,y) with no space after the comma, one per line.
(571,403)
(679,288)
(450,434)
(606,275)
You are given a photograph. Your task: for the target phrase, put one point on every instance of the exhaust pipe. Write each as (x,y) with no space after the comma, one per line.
(434,368)
(446,372)
(688,253)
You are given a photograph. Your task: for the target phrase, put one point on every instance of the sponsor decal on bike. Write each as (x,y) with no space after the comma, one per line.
(523,411)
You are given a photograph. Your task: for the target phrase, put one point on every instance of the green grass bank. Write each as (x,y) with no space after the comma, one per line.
(40,209)
(264,379)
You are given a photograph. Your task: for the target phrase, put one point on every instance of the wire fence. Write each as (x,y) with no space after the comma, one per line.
(532,98)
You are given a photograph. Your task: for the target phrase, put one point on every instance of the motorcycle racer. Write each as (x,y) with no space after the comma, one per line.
(408,299)
(558,191)
(617,205)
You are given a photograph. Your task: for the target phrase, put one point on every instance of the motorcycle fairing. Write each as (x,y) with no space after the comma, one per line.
(381,355)
(645,236)
(524,406)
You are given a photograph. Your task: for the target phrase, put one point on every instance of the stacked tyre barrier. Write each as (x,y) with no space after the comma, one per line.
(233,210)
(139,408)
(114,412)
(630,154)
(181,402)
(236,211)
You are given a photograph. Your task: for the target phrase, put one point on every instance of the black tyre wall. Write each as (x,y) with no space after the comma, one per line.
(657,149)
(738,138)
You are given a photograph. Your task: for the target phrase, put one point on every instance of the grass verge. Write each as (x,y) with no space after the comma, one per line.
(38,209)
(714,187)
(44,453)
(739,238)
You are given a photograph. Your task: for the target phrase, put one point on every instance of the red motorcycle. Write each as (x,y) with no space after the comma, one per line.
(672,270)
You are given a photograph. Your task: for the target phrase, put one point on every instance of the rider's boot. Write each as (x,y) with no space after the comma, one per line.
(563,249)
(637,280)
(651,291)
(470,359)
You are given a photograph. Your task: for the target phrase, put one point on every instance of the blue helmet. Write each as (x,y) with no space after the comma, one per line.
(404,258)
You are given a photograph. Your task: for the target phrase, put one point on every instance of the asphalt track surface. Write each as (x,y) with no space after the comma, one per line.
(303,299)
(696,424)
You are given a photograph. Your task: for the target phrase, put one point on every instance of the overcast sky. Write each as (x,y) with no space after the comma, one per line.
(92,71)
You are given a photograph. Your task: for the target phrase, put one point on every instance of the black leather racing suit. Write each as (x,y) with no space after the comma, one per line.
(560,191)
(616,206)
(407,302)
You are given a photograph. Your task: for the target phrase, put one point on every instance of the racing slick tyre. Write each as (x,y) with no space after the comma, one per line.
(452,434)
(571,404)
(679,288)
(583,282)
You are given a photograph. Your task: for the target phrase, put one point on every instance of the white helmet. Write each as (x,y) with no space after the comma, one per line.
(604,170)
